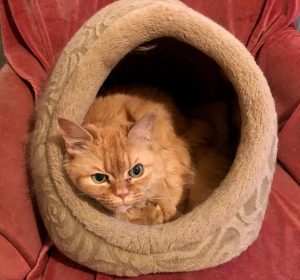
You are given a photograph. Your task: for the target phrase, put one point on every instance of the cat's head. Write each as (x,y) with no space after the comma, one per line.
(112,162)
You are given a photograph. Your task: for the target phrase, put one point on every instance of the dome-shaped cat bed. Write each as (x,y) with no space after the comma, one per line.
(214,232)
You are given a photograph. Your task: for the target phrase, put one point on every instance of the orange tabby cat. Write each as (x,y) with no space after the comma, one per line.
(137,156)
(130,152)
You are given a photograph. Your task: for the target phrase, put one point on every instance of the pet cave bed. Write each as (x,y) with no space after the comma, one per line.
(213,233)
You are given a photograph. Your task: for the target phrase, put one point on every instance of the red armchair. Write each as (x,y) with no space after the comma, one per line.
(34,33)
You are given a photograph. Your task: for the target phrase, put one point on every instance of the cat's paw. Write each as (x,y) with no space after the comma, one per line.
(170,213)
(154,214)
(144,214)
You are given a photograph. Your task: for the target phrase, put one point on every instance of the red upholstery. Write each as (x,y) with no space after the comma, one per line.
(20,242)
(34,32)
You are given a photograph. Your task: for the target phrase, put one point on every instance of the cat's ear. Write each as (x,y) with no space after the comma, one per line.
(141,132)
(75,136)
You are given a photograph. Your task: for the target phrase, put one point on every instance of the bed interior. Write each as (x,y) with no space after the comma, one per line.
(196,83)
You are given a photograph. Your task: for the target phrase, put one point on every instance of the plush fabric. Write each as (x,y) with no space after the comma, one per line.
(19,235)
(274,255)
(213,233)
(284,49)
(31,42)
(263,260)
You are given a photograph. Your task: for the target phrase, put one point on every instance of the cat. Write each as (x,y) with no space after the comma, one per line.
(140,158)
(129,152)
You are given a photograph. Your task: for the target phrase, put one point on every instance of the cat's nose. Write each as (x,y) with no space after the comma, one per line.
(122,193)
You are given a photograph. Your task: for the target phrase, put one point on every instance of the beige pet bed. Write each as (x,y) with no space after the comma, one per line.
(213,233)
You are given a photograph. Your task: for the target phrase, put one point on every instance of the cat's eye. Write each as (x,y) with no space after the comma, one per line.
(99,178)
(136,171)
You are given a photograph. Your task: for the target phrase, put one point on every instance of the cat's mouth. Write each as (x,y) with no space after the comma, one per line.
(120,206)
(127,204)
(123,208)
(123,205)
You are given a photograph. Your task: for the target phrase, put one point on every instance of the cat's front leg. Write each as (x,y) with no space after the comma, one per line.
(169,210)
(166,203)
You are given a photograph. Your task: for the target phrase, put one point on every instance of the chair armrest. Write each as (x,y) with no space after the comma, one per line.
(20,241)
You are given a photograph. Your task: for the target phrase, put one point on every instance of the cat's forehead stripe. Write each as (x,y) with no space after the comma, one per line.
(97,168)
(116,156)
(113,151)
